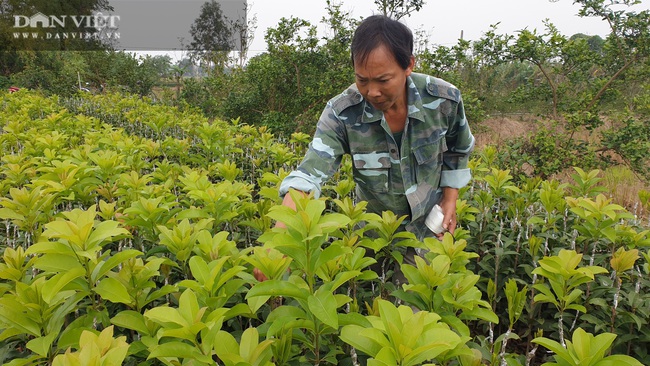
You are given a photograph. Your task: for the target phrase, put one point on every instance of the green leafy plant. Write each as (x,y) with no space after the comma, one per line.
(444,286)
(564,279)
(585,349)
(134,284)
(516,303)
(400,337)
(214,283)
(249,351)
(303,240)
(77,245)
(96,350)
(36,313)
(28,209)
(189,332)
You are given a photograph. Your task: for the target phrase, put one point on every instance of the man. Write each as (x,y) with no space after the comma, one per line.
(406,132)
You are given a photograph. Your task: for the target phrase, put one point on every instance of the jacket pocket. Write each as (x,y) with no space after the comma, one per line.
(371,171)
(428,159)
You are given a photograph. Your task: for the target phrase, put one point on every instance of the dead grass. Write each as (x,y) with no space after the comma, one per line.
(623,187)
(621,184)
(499,130)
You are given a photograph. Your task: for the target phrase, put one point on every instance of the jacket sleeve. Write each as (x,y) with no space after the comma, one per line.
(322,158)
(460,143)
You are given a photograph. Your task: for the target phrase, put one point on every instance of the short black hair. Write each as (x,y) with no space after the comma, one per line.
(377,30)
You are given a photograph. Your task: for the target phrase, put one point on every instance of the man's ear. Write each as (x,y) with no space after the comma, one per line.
(409,68)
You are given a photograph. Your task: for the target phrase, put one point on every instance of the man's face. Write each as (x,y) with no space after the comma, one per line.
(381,80)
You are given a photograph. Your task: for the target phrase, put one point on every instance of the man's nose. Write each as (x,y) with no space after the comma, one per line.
(374,91)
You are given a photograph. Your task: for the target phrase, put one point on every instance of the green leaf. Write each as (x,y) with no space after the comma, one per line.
(456,324)
(13,314)
(353,319)
(618,360)
(277,288)
(166,315)
(328,254)
(9,214)
(367,340)
(256,302)
(392,320)
(209,334)
(323,306)
(55,285)
(226,347)
(288,217)
(480,313)
(29,361)
(42,345)
(248,343)
(577,307)
(333,221)
(57,263)
(130,319)
(341,279)
(241,309)
(200,269)
(114,291)
(155,295)
(284,312)
(69,337)
(179,350)
(586,345)
(116,355)
(446,341)
(113,261)
(386,356)
(105,231)
(555,347)
(188,306)
(50,247)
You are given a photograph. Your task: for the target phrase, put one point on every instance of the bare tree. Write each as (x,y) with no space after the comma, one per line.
(398,9)
(243,29)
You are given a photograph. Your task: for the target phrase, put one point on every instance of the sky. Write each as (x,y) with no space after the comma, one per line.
(444,21)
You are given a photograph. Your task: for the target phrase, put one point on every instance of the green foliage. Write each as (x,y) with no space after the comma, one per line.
(633,150)
(309,72)
(210,32)
(62,72)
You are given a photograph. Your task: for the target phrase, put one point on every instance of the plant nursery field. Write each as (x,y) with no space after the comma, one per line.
(129,232)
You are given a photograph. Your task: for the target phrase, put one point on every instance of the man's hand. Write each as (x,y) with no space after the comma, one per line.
(448,206)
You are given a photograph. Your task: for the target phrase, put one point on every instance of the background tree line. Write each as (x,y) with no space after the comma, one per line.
(592,93)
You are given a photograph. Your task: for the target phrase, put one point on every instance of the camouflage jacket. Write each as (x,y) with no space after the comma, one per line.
(435,149)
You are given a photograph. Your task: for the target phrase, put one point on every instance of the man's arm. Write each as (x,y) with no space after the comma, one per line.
(456,173)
